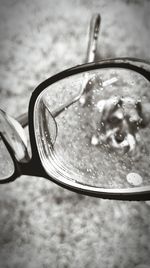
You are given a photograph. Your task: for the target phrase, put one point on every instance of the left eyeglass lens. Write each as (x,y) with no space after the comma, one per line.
(6,163)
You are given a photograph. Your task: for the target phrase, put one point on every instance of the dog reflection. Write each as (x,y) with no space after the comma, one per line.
(119,121)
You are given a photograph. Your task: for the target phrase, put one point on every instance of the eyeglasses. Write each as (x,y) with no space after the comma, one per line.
(88,129)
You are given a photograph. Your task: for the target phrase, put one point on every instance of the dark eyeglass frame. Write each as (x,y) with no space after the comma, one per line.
(34,166)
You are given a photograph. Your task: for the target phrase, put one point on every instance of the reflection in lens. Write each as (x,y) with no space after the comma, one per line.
(6,164)
(103,137)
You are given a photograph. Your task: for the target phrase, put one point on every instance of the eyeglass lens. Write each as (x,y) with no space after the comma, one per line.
(102,139)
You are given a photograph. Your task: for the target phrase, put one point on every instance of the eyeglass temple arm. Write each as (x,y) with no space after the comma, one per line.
(93,37)
(90,57)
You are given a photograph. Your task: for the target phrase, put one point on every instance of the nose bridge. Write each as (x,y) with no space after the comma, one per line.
(124,129)
(119,114)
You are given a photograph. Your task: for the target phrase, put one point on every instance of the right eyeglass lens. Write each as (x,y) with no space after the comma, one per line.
(103,138)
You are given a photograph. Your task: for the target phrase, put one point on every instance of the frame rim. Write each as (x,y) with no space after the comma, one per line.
(35,167)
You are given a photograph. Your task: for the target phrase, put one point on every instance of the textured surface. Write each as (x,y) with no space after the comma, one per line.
(42,225)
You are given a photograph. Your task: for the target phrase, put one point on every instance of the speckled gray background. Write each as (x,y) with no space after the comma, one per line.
(41,224)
